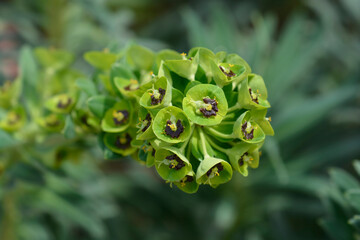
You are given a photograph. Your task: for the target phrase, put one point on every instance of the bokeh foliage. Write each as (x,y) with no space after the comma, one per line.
(307,53)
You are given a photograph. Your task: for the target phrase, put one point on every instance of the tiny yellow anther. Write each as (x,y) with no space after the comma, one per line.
(231,65)
(183,54)
(269,119)
(217,174)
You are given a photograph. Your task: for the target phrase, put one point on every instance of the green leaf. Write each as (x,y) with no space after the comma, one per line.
(69,129)
(353,196)
(355,222)
(87,86)
(99,104)
(29,75)
(343,179)
(6,140)
(52,203)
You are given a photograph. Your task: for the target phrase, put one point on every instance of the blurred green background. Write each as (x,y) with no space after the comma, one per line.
(308,53)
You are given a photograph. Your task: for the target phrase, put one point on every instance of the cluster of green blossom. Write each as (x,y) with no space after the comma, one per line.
(195,117)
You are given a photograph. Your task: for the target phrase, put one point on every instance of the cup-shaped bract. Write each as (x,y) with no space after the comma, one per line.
(52,123)
(253,93)
(171,164)
(185,67)
(118,118)
(145,125)
(213,171)
(146,153)
(10,92)
(157,96)
(246,129)
(55,59)
(205,104)
(140,58)
(167,55)
(62,103)
(14,120)
(100,60)
(259,116)
(120,142)
(171,125)
(128,87)
(242,155)
(204,57)
(237,60)
(188,183)
(226,73)
(87,121)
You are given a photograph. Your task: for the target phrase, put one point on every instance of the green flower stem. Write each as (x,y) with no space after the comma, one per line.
(203,144)
(183,146)
(219,134)
(229,116)
(237,106)
(224,150)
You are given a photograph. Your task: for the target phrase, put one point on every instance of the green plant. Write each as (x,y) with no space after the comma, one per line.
(186,115)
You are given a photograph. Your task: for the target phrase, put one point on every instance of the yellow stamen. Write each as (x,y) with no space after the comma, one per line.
(12,117)
(231,65)
(217,174)
(133,81)
(123,140)
(172,126)
(118,115)
(269,119)
(183,54)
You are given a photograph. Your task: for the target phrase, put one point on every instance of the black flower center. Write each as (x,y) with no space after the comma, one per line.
(64,103)
(217,169)
(254,96)
(227,73)
(247,134)
(176,162)
(241,160)
(120,116)
(173,130)
(189,179)
(147,120)
(123,142)
(211,108)
(157,96)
